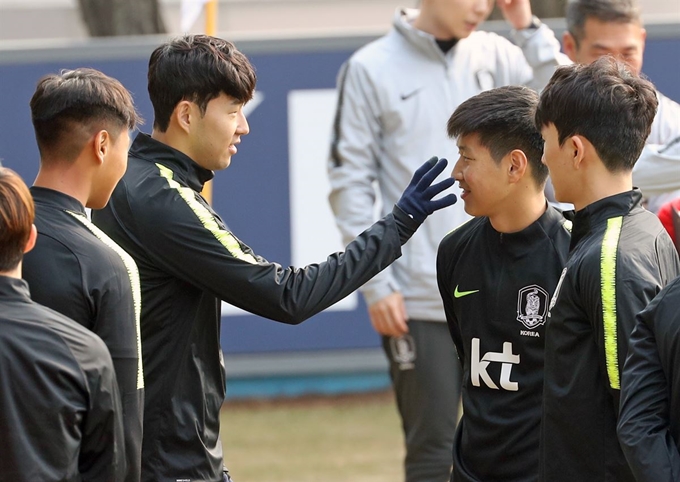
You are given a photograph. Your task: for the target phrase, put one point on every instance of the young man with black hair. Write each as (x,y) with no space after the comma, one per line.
(189,260)
(495,275)
(649,418)
(395,94)
(60,412)
(594,120)
(81,119)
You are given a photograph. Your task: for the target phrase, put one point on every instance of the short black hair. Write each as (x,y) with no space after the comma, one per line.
(197,68)
(604,102)
(619,11)
(82,97)
(503,118)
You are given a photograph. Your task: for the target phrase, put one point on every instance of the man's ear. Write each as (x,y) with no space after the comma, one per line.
(32,237)
(569,45)
(183,115)
(577,147)
(517,166)
(101,145)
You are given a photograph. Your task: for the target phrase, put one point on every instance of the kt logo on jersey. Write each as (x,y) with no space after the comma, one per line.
(532,306)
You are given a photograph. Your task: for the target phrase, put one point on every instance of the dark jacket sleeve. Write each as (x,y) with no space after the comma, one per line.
(192,243)
(102,455)
(643,425)
(613,301)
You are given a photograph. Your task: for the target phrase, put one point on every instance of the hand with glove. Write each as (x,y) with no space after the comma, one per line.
(417,200)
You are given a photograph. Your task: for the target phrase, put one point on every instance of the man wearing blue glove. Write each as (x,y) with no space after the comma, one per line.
(189,260)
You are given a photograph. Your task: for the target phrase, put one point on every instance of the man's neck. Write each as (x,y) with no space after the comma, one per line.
(519,213)
(13,273)
(65,178)
(602,186)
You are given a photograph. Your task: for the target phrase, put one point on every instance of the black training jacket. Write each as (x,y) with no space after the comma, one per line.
(188,261)
(80,272)
(60,414)
(649,418)
(496,289)
(620,258)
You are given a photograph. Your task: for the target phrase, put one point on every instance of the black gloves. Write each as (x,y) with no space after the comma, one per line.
(416,201)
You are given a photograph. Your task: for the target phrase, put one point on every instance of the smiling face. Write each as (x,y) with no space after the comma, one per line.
(446,19)
(484,181)
(215,134)
(625,41)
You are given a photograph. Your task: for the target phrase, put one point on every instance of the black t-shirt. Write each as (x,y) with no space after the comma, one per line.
(496,289)
(80,272)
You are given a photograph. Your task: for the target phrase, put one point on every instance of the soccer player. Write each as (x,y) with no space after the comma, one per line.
(81,119)
(395,94)
(60,413)
(189,260)
(594,120)
(649,419)
(495,275)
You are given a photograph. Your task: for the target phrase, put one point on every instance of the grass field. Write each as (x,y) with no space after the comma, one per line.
(349,438)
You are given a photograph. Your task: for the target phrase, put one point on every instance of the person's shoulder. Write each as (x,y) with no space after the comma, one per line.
(481,40)
(84,344)
(463,234)
(59,331)
(557,224)
(380,51)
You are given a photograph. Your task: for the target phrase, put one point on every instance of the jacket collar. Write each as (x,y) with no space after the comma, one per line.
(598,212)
(56,199)
(13,289)
(148,149)
(523,240)
(403,24)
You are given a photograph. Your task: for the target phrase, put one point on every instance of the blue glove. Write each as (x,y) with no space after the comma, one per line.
(416,201)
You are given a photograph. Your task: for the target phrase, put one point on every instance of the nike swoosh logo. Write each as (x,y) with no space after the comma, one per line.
(410,94)
(460,294)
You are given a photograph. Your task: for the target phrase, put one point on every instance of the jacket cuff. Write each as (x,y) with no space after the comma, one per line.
(406,225)
(377,289)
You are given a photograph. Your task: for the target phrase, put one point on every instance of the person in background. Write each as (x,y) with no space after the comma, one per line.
(60,412)
(394,98)
(614,27)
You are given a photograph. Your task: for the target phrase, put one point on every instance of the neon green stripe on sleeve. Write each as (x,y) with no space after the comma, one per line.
(610,245)
(224,237)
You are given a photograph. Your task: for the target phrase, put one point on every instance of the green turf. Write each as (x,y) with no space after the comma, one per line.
(314,439)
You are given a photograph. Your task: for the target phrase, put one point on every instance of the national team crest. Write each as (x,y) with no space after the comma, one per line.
(403,351)
(532,306)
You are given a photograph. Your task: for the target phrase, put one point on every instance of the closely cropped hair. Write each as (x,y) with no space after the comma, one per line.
(197,68)
(605,103)
(76,101)
(503,118)
(619,11)
(16,218)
